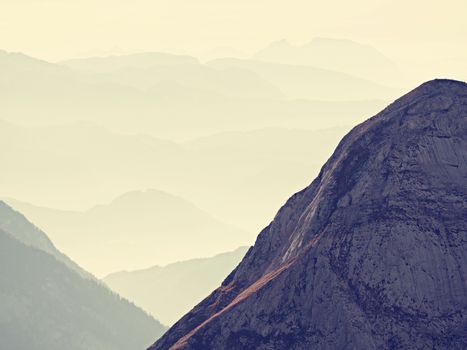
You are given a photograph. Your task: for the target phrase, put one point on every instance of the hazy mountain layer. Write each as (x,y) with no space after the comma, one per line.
(171,291)
(307,82)
(137,229)
(46,305)
(24,231)
(154,70)
(227,174)
(144,60)
(147,93)
(338,55)
(371,255)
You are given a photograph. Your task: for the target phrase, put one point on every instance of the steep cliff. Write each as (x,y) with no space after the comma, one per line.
(372,255)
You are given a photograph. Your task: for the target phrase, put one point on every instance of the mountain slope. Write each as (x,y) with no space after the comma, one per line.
(138,228)
(45,305)
(24,231)
(372,255)
(169,292)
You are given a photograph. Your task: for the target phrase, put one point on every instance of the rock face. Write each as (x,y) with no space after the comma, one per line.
(372,255)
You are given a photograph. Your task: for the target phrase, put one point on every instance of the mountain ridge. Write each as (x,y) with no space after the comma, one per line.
(129,230)
(49,302)
(339,266)
(21,229)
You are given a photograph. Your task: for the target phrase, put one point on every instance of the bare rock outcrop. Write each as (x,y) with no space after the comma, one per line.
(372,255)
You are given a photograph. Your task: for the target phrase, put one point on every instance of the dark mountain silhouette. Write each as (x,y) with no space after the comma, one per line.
(372,255)
(46,304)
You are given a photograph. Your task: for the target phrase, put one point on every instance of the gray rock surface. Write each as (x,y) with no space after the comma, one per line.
(372,255)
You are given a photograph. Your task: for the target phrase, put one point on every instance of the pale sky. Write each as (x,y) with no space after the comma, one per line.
(58,29)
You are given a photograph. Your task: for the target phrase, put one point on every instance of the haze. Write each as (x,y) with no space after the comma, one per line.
(152,151)
(55,30)
(118,117)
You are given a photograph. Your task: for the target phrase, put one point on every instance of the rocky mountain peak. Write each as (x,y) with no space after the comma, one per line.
(371,255)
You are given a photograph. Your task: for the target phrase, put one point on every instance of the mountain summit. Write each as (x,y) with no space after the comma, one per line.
(371,255)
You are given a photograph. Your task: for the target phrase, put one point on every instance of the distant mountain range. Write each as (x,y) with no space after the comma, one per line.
(308,82)
(136,229)
(371,255)
(47,302)
(152,71)
(175,96)
(169,292)
(227,174)
(145,60)
(338,55)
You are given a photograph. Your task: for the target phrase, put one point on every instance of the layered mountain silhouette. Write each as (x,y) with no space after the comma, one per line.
(335,54)
(47,302)
(136,229)
(145,60)
(371,255)
(308,82)
(175,96)
(168,292)
(261,167)
(22,230)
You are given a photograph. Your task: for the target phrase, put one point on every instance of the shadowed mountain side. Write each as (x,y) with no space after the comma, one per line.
(137,229)
(371,255)
(171,291)
(46,304)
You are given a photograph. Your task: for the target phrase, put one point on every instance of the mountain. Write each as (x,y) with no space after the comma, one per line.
(103,64)
(371,255)
(307,82)
(24,231)
(138,228)
(169,292)
(175,97)
(47,305)
(228,174)
(155,70)
(339,55)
